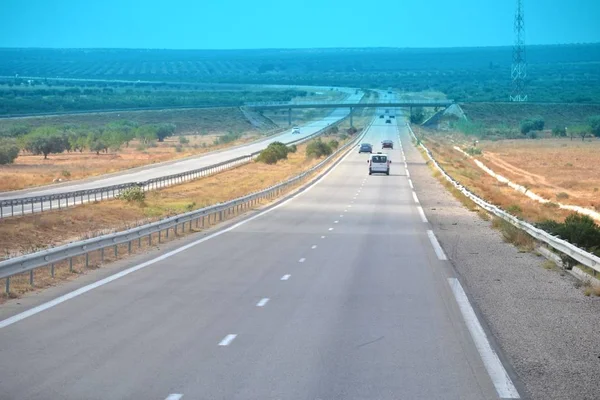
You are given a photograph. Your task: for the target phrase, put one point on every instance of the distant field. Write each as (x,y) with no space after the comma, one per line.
(511,114)
(559,170)
(560,73)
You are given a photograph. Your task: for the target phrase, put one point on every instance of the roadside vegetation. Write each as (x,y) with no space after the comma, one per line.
(29,233)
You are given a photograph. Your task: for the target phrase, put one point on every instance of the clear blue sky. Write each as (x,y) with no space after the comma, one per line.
(244,24)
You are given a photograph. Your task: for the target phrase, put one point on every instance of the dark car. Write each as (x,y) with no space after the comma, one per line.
(388,121)
(392,116)
(381,116)
(387,144)
(365,148)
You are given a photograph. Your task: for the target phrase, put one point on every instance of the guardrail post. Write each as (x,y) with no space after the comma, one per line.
(12,210)
(7,286)
(31,277)
(129,247)
(71,264)
(150,240)
(116,251)
(167,233)
(139,242)
(159,236)
(52,270)
(102,254)
(87,260)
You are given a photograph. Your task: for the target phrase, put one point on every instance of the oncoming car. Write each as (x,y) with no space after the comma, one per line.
(365,148)
(379,164)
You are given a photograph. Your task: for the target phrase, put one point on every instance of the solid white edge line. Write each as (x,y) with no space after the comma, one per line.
(174,396)
(415,198)
(436,246)
(262,302)
(302,260)
(502,382)
(227,339)
(422,214)
(102,282)
(410,183)
(285,277)
(407,173)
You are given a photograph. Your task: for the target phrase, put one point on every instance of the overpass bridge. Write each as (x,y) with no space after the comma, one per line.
(282,105)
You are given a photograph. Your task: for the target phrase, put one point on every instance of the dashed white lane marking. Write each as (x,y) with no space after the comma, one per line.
(345,210)
(341,215)
(227,339)
(436,246)
(330,229)
(71,295)
(410,184)
(335,222)
(314,246)
(262,302)
(407,173)
(502,382)
(415,198)
(322,237)
(174,396)
(285,277)
(302,260)
(422,214)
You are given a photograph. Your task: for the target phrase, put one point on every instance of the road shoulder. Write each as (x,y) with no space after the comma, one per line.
(542,323)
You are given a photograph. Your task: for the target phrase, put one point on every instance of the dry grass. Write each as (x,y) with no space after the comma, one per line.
(34,232)
(514,235)
(30,170)
(487,187)
(555,168)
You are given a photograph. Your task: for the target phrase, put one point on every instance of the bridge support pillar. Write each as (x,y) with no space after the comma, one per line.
(351,120)
(289,117)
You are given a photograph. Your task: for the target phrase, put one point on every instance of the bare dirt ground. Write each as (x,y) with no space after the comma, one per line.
(550,167)
(557,169)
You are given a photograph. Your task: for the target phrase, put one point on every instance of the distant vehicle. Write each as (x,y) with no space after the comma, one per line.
(295,130)
(379,163)
(388,121)
(392,116)
(365,148)
(381,116)
(387,144)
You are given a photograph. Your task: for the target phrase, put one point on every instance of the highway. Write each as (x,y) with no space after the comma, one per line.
(158,170)
(340,292)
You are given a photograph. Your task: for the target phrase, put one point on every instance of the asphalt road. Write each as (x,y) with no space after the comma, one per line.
(338,293)
(159,170)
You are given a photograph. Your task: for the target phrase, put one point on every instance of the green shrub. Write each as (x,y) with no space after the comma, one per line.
(559,131)
(562,195)
(132,194)
(318,149)
(343,137)
(66,173)
(178,148)
(577,229)
(183,140)
(293,148)
(474,151)
(267,156)
(9,151)
(334,144)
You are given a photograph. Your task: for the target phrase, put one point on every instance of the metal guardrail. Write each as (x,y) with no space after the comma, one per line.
(588,259)
(28,205)
(30,262)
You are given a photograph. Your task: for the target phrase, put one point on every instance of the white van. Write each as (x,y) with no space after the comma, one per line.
(379,164)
